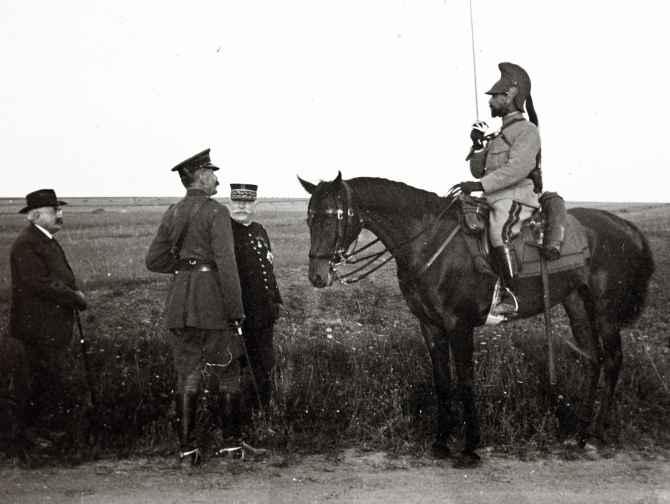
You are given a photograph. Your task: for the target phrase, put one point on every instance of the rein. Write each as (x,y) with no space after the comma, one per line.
(341,256)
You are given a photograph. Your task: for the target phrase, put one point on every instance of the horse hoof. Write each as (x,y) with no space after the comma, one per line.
(467,460)
(441,451)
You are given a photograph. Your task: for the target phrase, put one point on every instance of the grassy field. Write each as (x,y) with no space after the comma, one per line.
(351,365)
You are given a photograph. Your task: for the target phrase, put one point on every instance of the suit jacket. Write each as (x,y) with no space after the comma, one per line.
(260,292)
(43,291)
(200,299)
(504,165)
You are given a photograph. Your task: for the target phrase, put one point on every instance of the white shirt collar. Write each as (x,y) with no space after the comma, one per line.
(47,233)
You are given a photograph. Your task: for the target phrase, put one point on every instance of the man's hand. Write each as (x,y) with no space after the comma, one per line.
(81,300)
(478,134)
(470,186)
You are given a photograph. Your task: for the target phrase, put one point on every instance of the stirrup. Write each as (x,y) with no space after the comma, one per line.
(505,308)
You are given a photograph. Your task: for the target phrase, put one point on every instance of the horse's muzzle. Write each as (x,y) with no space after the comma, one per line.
(320,273)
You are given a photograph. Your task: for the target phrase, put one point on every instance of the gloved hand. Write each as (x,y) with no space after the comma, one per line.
(470,186)
(477,134)
(551,252)
(236,325)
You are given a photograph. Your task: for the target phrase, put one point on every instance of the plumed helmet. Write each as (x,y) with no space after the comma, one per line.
(513,75)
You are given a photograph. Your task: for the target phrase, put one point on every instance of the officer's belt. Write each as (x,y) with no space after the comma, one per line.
(193,264)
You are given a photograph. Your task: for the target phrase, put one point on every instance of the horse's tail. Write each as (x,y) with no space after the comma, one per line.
(641,269)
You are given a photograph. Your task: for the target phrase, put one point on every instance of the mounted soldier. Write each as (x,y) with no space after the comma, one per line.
(507,164)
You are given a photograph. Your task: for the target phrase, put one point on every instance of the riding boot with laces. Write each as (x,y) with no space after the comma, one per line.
(508,305)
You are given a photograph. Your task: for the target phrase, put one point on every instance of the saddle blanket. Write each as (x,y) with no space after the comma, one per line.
(574,251)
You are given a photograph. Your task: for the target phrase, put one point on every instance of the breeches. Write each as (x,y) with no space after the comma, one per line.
(505,220)
(212,354)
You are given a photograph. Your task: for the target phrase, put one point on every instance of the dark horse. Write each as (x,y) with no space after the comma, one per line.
(450,297)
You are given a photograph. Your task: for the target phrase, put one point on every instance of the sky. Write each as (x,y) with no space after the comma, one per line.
(103,98)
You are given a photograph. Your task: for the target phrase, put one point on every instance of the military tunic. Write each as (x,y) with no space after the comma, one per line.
(261,297)
(200,304)
(503,167)
(202,299)
(260,292)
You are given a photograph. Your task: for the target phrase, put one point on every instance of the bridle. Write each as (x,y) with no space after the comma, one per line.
(347,217)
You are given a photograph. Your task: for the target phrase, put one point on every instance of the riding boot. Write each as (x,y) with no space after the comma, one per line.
(187,404)
(229,411)
(508,305)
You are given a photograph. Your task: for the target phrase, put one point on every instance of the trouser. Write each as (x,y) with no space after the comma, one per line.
(505,220)
(259,342)
(48,402)
(213,354)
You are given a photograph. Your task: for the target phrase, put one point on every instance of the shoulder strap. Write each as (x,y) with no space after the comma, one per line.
(179,242)
(502,130)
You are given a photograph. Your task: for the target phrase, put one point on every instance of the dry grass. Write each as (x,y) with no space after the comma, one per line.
(351,365)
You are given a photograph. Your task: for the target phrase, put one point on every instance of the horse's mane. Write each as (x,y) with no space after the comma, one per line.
(384,194)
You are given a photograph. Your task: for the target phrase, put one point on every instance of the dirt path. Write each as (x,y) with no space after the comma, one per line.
(351,477)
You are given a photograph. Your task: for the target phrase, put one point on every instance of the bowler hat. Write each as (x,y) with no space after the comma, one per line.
(41,198)
(243,192)
(200,160)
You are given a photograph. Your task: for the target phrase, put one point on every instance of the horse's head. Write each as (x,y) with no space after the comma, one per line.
(334,223)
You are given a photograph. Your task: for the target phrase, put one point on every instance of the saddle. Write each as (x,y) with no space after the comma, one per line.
(548,224)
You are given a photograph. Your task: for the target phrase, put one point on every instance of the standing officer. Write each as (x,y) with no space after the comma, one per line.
(204,304)
(44,299)
(507,165)
(260,292)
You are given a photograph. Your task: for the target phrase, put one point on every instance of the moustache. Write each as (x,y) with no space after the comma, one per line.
(59,220)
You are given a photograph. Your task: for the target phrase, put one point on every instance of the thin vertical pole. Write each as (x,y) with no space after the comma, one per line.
(474,62)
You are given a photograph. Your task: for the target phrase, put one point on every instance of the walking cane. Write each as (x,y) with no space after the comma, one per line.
(83,346)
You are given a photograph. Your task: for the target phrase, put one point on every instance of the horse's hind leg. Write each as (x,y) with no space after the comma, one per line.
(608,329)
(438,346)
(580,308)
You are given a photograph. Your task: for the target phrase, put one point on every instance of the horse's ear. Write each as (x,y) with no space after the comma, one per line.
(309,187)
(338,179)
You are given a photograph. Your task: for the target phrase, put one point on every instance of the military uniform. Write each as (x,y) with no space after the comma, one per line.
(503,168)
(508,167)
(194,243)
(261,297)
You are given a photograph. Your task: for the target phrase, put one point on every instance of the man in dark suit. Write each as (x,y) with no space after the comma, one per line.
(204,308)
(260,292)
(44,299)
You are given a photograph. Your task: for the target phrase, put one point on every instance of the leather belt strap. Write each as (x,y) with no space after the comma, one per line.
(192,264)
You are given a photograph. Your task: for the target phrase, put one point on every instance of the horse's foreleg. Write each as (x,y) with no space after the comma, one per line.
(462,346)
(581,312)
(438,345)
